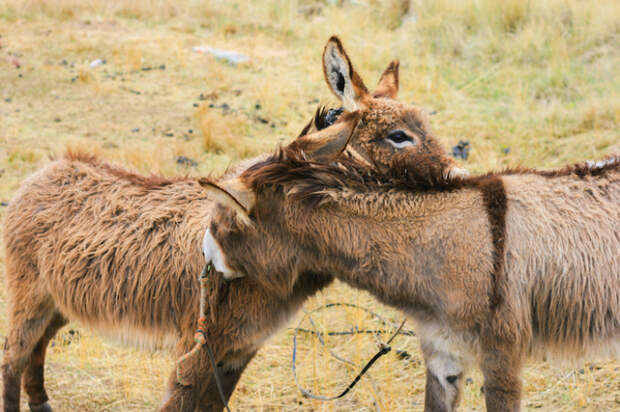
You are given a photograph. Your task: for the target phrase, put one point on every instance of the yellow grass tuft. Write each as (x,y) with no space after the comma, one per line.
(527,83)
(223,133)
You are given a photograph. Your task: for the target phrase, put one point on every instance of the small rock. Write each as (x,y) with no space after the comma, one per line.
(262,120)
(313,101)
(4,203)
(97,62)
(195,104)
(162,67)
(224,106)
(186,161)
(57,119)
(190,131)
(228,56)
(461,150)
(469,381)
(257,106)
(135,130)
(168,134)
(64,62)
(8,100)
(506,150)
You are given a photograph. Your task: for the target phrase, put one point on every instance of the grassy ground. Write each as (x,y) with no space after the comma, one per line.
(526,83)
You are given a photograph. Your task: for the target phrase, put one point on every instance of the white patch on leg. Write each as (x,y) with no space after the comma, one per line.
(449,371)
(448,356)
(212,253)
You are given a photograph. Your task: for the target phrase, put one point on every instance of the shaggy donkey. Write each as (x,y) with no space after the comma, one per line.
(120,252)
(493,268)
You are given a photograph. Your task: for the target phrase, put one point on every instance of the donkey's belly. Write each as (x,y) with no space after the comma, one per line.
(129,334)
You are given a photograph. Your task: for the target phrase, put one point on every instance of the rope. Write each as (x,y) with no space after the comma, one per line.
(200,337)
(384,348)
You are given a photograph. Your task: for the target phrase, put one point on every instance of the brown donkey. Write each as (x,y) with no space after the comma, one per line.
(493,268)
(121,253)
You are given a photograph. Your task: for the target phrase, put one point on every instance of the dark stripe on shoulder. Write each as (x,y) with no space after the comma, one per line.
(494,195)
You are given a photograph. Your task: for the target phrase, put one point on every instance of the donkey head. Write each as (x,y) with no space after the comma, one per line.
(388,131)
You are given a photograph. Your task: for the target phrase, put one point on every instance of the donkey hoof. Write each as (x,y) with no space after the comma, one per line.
(42,407)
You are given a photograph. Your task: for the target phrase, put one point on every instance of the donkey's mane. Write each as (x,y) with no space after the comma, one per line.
(313,180)
(148,182)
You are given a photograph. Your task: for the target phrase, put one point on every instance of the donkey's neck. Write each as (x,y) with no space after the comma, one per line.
(409,250)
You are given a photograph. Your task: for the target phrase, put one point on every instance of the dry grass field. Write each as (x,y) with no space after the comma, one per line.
(534,83)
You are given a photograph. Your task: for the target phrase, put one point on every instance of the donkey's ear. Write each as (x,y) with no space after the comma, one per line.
(388,83)
(233,194)
(343,81)
(326,144)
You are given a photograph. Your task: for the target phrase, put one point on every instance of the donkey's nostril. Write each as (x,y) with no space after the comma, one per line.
(451,378)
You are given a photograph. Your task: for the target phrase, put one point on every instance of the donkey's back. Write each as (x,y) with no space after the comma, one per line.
(563,252)
(94,243)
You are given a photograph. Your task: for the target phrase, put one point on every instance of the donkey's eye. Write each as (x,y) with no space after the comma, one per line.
(400,139)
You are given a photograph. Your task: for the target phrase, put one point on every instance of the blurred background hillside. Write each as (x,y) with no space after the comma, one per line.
(523,82)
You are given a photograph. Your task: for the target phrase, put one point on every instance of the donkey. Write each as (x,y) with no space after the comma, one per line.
(120,252)
(493,268)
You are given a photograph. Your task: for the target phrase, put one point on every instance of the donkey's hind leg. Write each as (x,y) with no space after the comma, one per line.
(28,321)
(33,375)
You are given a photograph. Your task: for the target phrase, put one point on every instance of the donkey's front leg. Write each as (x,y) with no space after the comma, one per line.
(501,366)
(444,377)
(229,373)
(195,373)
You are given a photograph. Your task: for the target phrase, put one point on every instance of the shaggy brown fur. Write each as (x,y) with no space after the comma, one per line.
(121,253)
(431,251)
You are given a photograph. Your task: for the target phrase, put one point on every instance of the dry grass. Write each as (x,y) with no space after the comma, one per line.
(537,78)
